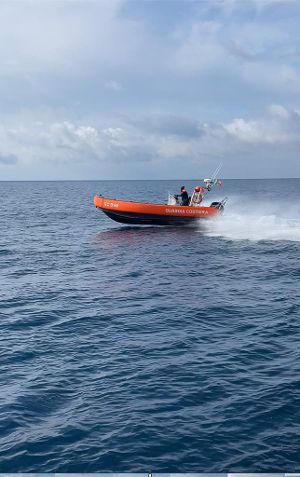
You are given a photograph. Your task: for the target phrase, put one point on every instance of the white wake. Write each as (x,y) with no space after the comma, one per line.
(254,221)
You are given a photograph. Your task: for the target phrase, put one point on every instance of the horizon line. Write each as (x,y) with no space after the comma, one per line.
(147,180)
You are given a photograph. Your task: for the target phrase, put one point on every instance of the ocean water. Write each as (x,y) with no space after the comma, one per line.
(136,349)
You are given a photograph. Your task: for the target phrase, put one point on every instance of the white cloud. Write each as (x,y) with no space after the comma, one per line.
(280,111)
(60,52)
(222,59)
(9,159)
(198,48)
(114,134)
(64,37)
(279,127)
(275,77)
(131,142)
(238,42)
(114,85)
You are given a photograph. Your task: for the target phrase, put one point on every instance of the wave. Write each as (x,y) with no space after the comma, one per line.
(250,220)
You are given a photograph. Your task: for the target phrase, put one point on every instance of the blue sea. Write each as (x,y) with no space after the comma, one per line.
(136,349)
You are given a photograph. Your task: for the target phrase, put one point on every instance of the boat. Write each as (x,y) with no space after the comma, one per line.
(171,213)
(141,213)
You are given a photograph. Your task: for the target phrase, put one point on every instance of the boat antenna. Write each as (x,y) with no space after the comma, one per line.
(213,179)
(216,172)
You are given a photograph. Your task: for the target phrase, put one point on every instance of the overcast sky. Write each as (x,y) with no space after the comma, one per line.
(133,89)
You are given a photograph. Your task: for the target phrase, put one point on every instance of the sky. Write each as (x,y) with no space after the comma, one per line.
(149,89)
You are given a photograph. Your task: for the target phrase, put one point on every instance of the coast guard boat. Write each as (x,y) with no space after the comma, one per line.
(172,213)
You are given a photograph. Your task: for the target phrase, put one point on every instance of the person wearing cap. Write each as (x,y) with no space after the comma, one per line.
(198,195)
(184,196)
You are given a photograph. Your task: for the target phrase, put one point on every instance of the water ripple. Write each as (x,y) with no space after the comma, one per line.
(138,349)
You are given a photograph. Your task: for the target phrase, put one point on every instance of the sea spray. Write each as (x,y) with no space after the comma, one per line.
(256,221)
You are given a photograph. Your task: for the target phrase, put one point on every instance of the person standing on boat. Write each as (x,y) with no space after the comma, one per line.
(184,196)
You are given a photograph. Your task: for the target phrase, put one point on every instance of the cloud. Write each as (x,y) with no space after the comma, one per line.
(249,42)
(114,85)
(272,77)
(280,126)
(157,140)
(64,37)
(65,53)
(198,48)
(8,160)
(168,125)
(123,83)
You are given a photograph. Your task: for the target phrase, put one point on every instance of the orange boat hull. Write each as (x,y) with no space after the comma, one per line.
(142,213)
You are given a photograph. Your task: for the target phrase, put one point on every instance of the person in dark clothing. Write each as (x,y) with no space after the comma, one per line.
(184,196)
